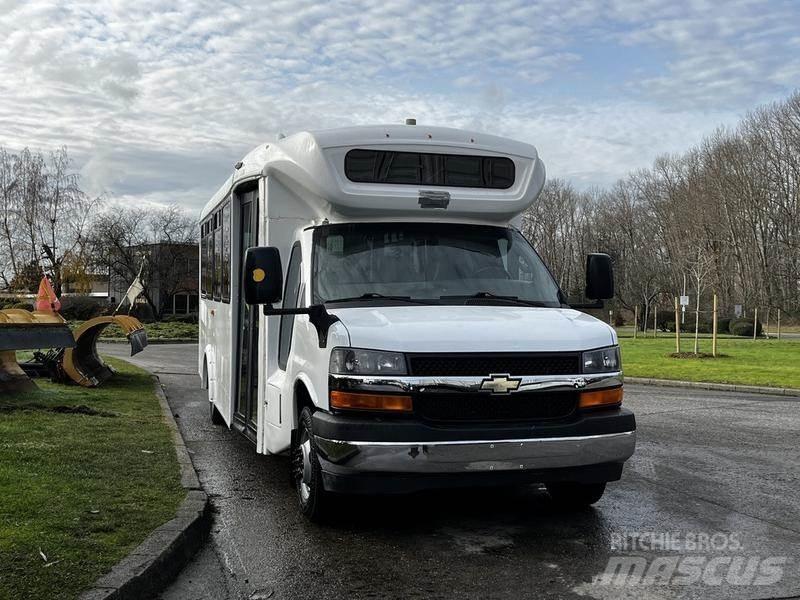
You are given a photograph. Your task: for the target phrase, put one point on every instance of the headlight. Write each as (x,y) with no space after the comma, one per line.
(355,361)
(604,360)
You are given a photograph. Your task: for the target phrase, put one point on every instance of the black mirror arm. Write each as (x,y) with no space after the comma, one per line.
(320,318)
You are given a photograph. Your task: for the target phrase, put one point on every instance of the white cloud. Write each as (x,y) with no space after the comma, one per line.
(157,99)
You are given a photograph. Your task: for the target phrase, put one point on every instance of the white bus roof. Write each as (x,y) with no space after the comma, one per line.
(311,164)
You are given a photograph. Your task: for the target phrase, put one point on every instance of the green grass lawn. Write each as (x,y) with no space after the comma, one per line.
(761,362)
(84,489)
(163,330)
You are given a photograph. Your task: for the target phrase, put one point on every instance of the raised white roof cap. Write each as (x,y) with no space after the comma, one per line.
(311,164)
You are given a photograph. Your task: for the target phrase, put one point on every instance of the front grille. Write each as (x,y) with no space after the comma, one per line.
(520,406)
(486,364)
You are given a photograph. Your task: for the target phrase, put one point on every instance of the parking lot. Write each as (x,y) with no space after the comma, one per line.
(715,477)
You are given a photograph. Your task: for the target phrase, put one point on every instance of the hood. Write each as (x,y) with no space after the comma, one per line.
(420,328)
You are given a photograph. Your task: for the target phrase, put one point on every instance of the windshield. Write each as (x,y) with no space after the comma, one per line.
(441,263)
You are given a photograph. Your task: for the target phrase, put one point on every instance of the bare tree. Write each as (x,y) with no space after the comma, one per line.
(736,197)
(43,214)
(156,241)
(699,268)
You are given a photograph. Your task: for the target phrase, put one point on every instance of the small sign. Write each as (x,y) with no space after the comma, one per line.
(737,310)
(684,300)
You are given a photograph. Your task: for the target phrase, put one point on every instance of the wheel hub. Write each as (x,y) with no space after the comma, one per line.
(304,467)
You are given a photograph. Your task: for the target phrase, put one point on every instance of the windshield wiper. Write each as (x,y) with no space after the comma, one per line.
(376,296)
(491,296)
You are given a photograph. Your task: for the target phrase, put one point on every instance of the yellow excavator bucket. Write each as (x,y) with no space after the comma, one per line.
(82,364)
(26,330)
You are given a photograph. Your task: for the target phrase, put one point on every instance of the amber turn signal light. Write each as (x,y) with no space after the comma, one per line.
(600,398)
(359,401)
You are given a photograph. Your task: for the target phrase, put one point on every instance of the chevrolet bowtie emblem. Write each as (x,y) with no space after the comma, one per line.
(500,384)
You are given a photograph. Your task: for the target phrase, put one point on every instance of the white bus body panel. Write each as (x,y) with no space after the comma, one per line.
(302,183)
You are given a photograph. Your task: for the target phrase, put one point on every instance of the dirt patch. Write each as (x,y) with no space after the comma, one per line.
(699,355)
(80,409)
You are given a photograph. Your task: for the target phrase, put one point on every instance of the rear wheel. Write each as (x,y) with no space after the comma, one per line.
(307,472)
(575,495)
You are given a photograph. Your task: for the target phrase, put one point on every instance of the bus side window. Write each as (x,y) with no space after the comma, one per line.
(226,252)
(290,300)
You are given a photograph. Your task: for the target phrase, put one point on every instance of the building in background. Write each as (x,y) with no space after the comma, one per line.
(169,275)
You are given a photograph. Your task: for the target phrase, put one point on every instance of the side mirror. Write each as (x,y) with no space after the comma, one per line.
(599,277)
(263,275)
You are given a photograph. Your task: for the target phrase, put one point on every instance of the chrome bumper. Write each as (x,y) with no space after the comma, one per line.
(478,456)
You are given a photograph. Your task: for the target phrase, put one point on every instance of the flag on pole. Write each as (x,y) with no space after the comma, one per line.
(133,292)
(46,299)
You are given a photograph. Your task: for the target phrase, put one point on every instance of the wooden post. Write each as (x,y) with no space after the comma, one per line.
(779,323)
(714,329)
(655,320)
(766,324)
(611,318)
(635,320)
(677,328)
(755,323)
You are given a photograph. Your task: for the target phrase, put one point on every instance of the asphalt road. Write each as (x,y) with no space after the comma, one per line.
(724,466)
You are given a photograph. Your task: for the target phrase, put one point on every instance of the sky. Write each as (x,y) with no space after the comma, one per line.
(157,100)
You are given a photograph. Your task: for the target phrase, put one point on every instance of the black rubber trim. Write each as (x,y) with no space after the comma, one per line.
(341,480)
(376,429)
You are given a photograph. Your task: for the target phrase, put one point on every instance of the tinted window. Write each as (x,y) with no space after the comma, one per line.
(203,260)
(217,261)
(436,262)
(226,252)
(417,168)
(290,300)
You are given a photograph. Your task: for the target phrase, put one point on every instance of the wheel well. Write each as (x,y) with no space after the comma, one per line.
(301,399)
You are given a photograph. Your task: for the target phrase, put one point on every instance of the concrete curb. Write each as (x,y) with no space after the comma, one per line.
(150,341)
(721,387)
(159,558)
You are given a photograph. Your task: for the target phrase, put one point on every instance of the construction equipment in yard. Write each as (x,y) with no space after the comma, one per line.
(23,330)
(74,353)
(82,364)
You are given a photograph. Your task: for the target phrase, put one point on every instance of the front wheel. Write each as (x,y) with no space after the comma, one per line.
(575,495)
(307,472)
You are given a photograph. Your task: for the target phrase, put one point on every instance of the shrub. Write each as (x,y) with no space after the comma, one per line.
(724,324)
(666,320)
(744,327)
(143,312)
(190,319)
(704,326)
(80,308)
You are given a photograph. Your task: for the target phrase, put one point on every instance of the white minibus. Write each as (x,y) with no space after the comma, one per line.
(370,306)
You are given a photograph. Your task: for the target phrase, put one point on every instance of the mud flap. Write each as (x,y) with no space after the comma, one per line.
(83,365)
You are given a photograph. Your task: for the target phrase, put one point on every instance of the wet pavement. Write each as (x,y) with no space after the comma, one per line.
(707,507)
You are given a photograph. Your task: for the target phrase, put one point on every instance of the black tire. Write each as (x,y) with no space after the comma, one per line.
(307,472)
(575,495)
